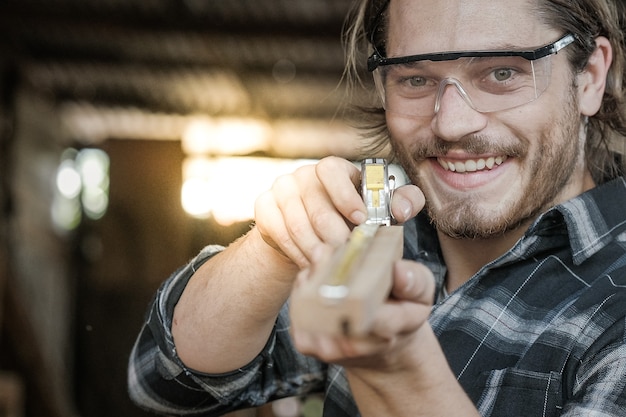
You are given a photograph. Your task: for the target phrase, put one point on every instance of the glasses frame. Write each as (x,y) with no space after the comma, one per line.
(376,60)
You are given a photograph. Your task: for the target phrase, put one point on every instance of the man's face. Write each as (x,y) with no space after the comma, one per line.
(486,173)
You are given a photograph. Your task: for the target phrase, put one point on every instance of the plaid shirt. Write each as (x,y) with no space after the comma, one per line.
(538,332)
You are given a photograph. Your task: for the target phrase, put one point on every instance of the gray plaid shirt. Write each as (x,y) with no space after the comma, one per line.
(538,332)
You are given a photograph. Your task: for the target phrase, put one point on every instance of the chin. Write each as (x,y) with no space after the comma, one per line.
(474,221)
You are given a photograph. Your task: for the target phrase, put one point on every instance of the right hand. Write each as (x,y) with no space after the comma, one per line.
(315,205)
(318,205)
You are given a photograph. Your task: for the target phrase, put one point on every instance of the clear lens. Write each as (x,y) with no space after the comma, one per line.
(487,84)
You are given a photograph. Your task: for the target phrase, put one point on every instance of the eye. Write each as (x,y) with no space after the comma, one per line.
(503,74)
(416,81)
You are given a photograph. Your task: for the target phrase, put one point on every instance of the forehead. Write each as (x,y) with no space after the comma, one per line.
(422,26)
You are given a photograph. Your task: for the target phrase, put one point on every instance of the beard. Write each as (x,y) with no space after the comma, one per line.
(547,171)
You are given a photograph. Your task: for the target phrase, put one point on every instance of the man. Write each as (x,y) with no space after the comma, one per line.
(500,112)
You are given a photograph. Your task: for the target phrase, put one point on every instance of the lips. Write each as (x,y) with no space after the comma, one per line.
(471,165)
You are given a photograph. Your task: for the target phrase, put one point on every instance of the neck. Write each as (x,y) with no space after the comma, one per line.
(465,257)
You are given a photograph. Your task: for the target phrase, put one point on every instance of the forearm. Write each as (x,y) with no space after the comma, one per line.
(421,384)
(228,309)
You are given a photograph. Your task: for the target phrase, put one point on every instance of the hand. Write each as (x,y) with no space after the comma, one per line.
(398,369)
(315,205)
(318,205)
(394,338)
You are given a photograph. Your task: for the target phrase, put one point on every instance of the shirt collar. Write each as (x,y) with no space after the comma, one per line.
(593,219)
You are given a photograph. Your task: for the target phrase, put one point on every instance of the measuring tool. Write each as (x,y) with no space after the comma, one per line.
(346,288)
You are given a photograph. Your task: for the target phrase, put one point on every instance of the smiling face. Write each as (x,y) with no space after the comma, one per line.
(484,174)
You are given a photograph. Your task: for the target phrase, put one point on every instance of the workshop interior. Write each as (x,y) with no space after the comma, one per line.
(132,134)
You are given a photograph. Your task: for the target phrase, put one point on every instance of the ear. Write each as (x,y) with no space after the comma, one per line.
(592,80)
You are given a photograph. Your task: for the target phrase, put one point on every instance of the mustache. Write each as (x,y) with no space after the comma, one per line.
(474,144)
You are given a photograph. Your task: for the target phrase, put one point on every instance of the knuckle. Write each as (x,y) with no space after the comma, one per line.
(321,219)
(294,229)
(327,162)
(304,171)
(262,201)
(330,226)
(282,182)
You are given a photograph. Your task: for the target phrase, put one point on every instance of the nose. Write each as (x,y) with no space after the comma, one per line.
(455,117)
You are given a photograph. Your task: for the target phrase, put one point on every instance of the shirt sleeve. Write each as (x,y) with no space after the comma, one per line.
(158,380)
(599,385)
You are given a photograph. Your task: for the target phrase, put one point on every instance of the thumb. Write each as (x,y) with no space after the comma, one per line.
(407,201)
(413,282)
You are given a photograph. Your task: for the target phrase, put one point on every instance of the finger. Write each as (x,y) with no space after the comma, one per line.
(325,219)
(396,318)
(414,282)
(315,345)
(407,201)
(341,178)
(271,226)
(337,349)
(413,294)
(288,195)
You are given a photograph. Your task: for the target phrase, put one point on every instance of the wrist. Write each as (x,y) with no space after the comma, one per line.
(418,355)
(418,382)
(272,256)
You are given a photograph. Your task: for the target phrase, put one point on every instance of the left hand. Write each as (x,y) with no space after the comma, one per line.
(390,344)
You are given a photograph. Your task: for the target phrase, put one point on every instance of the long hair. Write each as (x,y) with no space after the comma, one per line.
(586,19)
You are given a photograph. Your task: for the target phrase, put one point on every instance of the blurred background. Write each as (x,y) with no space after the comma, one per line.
(133,133)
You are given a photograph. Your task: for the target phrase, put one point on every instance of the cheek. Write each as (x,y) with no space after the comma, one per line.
(404,132)
(528,125)
(398,128)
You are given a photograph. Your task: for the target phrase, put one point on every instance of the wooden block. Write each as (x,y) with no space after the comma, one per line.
(367,286)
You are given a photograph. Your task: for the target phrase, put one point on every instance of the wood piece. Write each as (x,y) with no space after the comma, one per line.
(368,286)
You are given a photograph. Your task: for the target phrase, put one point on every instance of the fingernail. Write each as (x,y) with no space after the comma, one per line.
(404,207)
(357,217)
(408,275)
(410,280)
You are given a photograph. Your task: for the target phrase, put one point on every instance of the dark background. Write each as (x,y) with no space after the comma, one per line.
(126,76)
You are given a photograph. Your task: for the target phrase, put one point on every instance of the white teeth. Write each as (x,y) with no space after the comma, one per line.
(472,165)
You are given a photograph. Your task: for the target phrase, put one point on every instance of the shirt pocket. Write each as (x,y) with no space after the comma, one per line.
(515,392)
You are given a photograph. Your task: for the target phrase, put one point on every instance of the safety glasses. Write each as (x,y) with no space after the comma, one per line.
(488,81)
